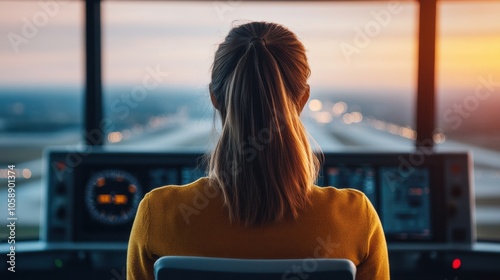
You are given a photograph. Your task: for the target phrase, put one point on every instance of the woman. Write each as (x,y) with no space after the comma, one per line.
(259,199)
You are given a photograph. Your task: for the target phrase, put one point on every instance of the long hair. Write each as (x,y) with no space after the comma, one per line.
(262,162)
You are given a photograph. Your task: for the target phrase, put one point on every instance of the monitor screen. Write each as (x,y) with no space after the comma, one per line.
(405,203)
(401,198)
(107,196)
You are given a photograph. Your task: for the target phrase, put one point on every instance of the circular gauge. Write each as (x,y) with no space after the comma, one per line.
(112,196)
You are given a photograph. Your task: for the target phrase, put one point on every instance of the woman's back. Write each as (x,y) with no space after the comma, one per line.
(191,220)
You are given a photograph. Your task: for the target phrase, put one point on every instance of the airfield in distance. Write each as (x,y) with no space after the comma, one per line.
(185,122)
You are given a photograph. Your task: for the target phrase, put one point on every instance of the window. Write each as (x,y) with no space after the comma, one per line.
(468,91)
(362,55)
(41,78)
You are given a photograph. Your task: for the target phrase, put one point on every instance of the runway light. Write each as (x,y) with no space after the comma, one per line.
(439,137)
(347,119)
(315,105)
(339,108)
(393,128)
(456,263)
(356,117)
(115,137)
(407,132)
(380,125)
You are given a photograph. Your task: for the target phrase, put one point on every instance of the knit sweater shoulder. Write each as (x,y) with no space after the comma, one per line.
(191,220)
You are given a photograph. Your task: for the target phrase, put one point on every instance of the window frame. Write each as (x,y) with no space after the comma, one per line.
(94,122)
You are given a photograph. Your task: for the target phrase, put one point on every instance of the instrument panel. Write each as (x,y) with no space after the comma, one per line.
(425,202)
(112,196)
(96,198)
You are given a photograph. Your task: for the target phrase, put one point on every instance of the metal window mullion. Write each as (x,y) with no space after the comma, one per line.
(94,134)
(426,90)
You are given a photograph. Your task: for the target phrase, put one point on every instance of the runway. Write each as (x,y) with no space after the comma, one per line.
(199,135)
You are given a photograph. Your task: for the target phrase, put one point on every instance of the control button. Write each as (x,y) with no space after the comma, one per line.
(58,231)
(61,189)
(456,191)
(456,169)
(459,235)
(61,213)
(452,209)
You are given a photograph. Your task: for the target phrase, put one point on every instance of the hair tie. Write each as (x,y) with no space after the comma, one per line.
(257,39)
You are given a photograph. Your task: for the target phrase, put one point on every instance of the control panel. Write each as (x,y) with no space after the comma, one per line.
(420,198)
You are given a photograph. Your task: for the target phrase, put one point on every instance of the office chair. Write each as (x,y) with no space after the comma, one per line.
(205,268)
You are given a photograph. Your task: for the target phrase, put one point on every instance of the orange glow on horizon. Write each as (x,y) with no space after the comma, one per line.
(388,62)
(462,59)
(466,52)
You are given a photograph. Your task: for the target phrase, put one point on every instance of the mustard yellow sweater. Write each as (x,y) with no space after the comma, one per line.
(191,220)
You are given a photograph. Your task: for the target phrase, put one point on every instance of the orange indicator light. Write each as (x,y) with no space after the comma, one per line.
(104,199)
(60,166)
(120,199)
(101,182)
(132,188)
(416,191)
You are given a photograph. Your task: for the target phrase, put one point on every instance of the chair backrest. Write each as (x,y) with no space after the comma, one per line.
(203,268)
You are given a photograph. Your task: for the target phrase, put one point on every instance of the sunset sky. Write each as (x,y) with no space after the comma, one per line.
(181,38)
